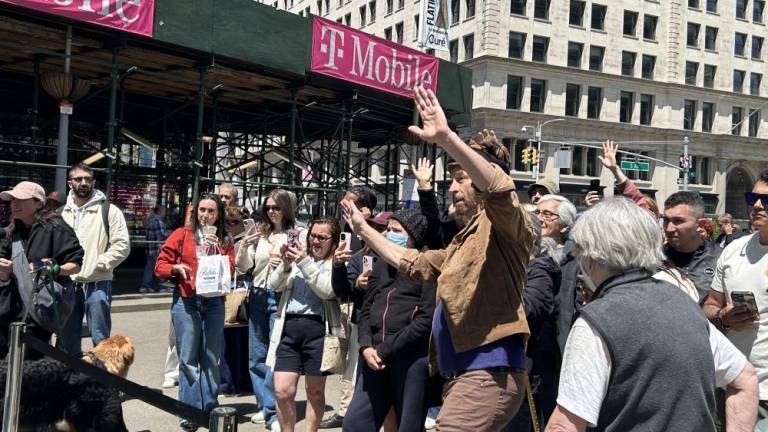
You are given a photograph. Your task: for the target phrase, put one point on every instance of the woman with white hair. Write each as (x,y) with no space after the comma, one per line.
(642,356)
(556,215)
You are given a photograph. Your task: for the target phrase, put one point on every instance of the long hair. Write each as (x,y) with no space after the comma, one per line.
(220,232)
(335,231)
(282,199)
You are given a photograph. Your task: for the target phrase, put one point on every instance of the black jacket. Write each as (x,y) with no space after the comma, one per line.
(541,288)
(724,240)
(441,229)
(568,300)
(698,266)
(396,317)
(343,279)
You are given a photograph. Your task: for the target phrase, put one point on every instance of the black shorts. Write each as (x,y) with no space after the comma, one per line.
(301,347)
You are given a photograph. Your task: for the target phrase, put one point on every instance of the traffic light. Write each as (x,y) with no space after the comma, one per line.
(526,158)
(534,156)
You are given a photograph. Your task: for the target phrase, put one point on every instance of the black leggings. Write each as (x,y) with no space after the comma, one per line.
(402,385)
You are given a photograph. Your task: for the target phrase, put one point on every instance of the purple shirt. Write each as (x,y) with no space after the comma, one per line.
(506,352)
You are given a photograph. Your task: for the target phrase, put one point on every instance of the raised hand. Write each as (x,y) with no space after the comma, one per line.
(608,159)
(592,198)
(423,173)
(434,124)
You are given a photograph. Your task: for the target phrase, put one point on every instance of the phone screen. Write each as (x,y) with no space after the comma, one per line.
(744,299)
(293,237)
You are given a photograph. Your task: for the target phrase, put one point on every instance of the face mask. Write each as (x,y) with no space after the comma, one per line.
(587,280)
(398,239)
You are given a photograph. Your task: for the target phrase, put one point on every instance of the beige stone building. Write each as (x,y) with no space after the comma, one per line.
(644,73)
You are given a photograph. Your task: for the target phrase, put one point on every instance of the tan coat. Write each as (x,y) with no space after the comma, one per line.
(481,274)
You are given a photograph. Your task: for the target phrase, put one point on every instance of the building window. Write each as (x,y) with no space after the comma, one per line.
(363,13)
(455,11)
(390,6)
(574,54)
(649,64)
(649,26)
(741,9)
(626,106)
(596,54)
(470,8)
(594,102)
(693,4)
(348,19)
(754,122)
(707,116)
(709,76)
(516,45)
(630,23)
(646,109)
(736,117)
(598,17)
(710,38)
(755,79)
(388,33)
(541,9)
(469,46)
(757,48)
(372,10)
(514,91)
(739,44)
(712,6)
(453,49)
(516,150)
(399,32)
(692,38)
(400,4)
(628,63)
(416,27)
(576,13)
(757,10)
(738,81)
(572,99)
(518,7)
(691,72)
(540,47)
(320,7)
(538,95)
(689,114)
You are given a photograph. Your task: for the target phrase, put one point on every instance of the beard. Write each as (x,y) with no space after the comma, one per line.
(83,192)
(465,209)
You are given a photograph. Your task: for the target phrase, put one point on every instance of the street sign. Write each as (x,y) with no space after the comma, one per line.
(635,166)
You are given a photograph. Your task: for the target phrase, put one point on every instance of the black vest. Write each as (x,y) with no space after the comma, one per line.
(663,373)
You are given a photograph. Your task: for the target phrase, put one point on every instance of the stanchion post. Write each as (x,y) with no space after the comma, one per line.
(223,419)
(13,379)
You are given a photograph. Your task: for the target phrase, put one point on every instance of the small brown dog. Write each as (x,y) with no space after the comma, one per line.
(115,352)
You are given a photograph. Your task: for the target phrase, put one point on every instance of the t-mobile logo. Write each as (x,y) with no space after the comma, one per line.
(334,52)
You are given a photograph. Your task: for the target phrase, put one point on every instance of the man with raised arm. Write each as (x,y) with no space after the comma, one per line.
(479,328)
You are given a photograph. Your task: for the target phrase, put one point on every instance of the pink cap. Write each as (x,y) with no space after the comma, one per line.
(380,219)
(24,190)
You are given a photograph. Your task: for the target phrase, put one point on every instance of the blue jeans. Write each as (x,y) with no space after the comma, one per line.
(262,310)
(149,280)
(94,300)
(199,326)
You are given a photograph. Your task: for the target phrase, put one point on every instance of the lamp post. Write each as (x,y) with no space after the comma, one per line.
(537,138)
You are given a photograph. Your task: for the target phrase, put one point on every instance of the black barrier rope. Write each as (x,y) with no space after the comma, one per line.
(130,388)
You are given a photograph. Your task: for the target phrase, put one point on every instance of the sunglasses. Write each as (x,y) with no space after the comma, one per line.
(752,198)
(233,222)
(86,179)
(319,237)
(273,208)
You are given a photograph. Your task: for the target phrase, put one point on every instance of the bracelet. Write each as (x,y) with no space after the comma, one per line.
(717,321)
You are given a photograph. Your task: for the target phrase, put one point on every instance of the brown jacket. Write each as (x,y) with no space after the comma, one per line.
(481,274)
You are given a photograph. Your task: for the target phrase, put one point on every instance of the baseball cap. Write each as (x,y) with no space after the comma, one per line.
(380,219)
(24,190)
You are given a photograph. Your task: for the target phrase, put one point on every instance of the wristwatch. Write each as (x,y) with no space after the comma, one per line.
(717,321)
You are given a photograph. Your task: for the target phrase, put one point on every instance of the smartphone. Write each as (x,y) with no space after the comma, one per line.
(367,263)
(745,299)
(594,186)
(347,237)
(248,224)
(293,237)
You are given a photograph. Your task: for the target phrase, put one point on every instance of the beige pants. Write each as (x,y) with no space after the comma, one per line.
(483,400)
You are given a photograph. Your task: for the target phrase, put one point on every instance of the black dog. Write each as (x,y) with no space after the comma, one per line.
(51,392)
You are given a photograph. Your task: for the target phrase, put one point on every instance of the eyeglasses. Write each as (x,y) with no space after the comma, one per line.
(273,208)
(320,237)
(546,214)
(82,179)
(752,198)
(233,222)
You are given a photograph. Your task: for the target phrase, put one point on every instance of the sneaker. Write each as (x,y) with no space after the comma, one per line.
(165,289)
(258,417)
(145,290)
(275,426)
(331,422)
(170,383)
(430,423)
(189,426)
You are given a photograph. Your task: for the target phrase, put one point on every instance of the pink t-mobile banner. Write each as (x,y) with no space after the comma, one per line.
(358,57)
(135,16)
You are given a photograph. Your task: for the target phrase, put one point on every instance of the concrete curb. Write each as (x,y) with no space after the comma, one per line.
(141,302)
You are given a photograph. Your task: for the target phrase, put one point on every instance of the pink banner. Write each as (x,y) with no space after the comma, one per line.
(135,16)
(358,57)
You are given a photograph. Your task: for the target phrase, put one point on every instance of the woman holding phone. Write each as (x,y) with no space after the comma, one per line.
(307,306)
(198,321)
(259,256)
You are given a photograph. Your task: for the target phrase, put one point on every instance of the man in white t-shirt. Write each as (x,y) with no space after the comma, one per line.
(641,356)
(743,268)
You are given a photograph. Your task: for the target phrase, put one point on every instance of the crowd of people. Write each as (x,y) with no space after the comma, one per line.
(497,315)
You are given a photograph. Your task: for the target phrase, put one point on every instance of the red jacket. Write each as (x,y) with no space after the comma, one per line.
(181,248)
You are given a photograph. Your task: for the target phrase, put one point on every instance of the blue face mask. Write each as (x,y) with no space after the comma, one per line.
(398,239)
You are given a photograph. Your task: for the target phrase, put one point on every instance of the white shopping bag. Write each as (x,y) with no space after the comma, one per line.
(213,276)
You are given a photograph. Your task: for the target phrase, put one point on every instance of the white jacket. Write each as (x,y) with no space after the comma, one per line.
(100,259)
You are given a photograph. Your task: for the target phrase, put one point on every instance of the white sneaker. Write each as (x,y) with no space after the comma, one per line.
(275,426)
(258,418)
(430,423)
(170,383)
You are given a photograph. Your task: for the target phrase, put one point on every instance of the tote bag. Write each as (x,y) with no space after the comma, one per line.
(213,276)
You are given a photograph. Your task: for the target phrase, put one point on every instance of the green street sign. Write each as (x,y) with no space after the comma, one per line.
(635,166)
